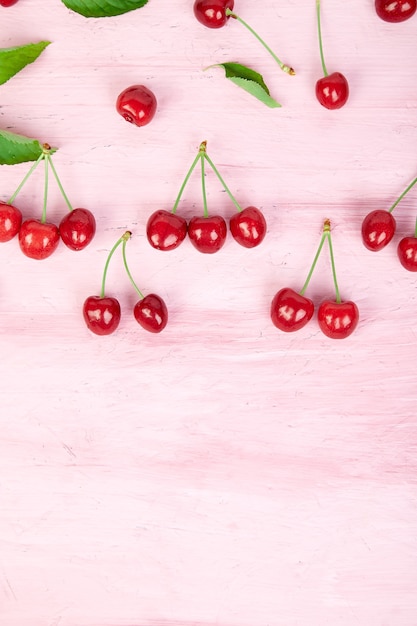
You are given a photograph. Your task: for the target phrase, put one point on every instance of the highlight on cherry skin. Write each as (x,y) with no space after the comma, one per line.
(407,252)
(10,221)
(337,320)
(38,239)
(207,234)
(248,227)
(151,313)
(290,311)
(137,104)
(166,230)
(77,229)
(395,10)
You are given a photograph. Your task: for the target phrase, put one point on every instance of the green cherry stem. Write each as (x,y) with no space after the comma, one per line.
(203,188)
(125,240)
(32,169)
(323,64)
(285,68)
(313,265)
(64,195)
(45,191)
(200,153)
(326,231)
(225,187)
(415,230)
(406,190)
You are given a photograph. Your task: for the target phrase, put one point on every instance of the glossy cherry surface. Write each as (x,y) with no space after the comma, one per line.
(102,315)
(38,240)
(407,253)
(248,227)
(290,310)
(338,320)
(10,221)
(166,230)
(395,10)
(378,228)
(212,13)
(151,313)
(332,91)
(207,234)
(77,228)
(137,105)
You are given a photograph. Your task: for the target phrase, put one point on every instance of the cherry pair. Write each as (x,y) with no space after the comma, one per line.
(102,313)
(38,239)
(378,229)
(291,310)
(166,230)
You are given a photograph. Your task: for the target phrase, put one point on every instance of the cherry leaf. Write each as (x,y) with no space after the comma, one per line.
(249,80)
(103,8)
(12,60)
(18,148)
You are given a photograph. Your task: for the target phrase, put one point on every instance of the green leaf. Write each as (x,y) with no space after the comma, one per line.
(12,60)
(249,80)
(103,8)
(18,148)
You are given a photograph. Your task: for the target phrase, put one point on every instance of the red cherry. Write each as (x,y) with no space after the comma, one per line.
(332,91)
(137,105)
(378,229)
(212,13)
(290,310)
(102,315)
(7,3)
(407,253)
(248,227)
(10,221)
(395,10)
(338,320)
(166,230)
(77,228)
(151,313)
(37,239)
(207,234)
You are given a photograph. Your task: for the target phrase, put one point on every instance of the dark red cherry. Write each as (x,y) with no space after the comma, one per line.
(248,227)
(38,240)
(407,253)
(212,13)
(166,230)
(378,229)
(290,310)
(395,10)
(207,234)
(151,313)
(77,228)
(10,221)
(332,91)
(338,320)
(102,315)
(137,105)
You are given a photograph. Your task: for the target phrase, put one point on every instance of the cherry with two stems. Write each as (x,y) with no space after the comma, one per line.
(137,105)
(378,227)
(395,10)
(216,13)
(332,91)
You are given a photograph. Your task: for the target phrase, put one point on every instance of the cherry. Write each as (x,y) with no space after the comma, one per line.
(338,320)
(38,239)
(407,253)
(77,228)
(151,313)
(248,227)
(137,105)
(101,314)
(207,234)
(378,229)
(332,91)
(10,221)
(7,3)
(395,10)
(290,311)
(166,230)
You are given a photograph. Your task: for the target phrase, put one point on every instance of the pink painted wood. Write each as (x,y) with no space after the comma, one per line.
(221,472)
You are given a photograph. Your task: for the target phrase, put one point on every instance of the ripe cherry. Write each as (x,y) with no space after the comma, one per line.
(378,229)
(151,313)
(101,314)
(248,227)
(207,234)
(407,253)
(332,91)
(10,221)
(395,10)
(290,311)
(166,230)
(37,239)
(77,229)
(7,3)
(338,320)
(137,105)
(212,13)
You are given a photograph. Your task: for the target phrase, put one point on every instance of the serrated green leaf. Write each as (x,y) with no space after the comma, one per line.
(250,81)
(103,8)
(12,60)
(18,148)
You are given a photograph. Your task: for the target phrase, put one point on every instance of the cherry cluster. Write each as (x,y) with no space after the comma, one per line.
(166,230)
(102,313)
(38,239)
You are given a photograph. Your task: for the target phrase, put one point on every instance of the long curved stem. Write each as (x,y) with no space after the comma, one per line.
(398,200)
(285,68)
(329,239)
(187,177)
(32,169)
(124,237)
(45,191)
(225,187)
(59,183)
(323,64)
(313,265)
(128,270)
(203,188)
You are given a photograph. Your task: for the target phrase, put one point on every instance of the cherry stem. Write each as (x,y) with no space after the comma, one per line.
(45,192)
(313,265)
(127,268)
(323,64)
(59,183)
(201,150)
(32,169)
(398,200)
(285,68)
(203,186)
(329,239)
(225,187)
(124,237)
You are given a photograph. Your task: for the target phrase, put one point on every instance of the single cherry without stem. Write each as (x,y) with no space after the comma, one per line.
(378,227)
(407,251)
(332,91)
(137,105)
(395,10)
(10,221)
(7,3)
(216,13)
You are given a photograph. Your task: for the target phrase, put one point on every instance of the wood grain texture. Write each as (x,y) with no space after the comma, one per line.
(221,472)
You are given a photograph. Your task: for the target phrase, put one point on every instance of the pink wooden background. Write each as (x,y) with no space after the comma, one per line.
(221,472)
